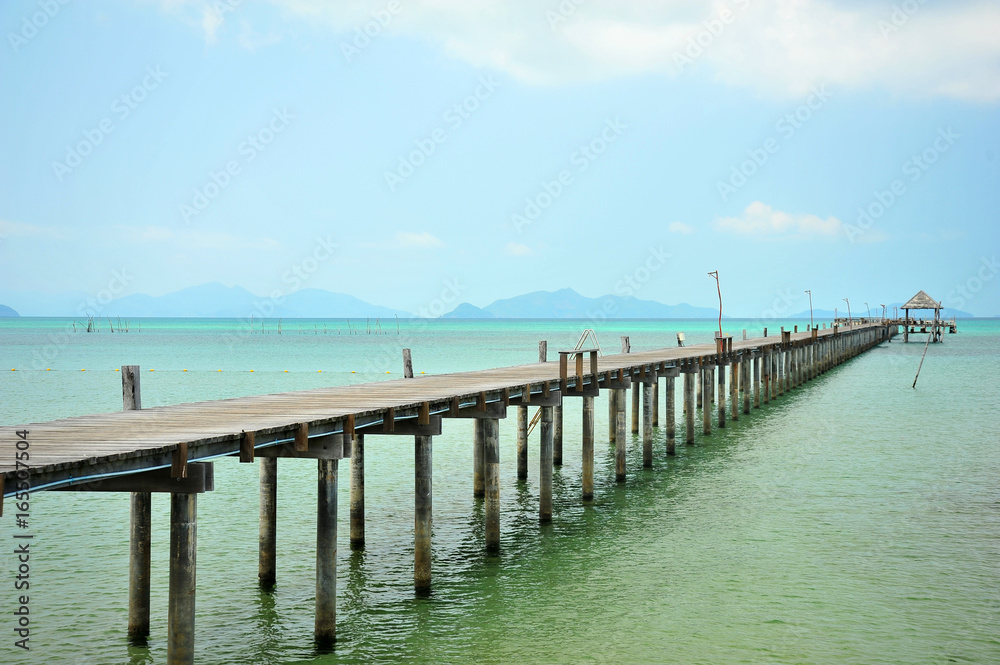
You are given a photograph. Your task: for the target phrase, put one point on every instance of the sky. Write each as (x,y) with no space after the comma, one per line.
(405,151)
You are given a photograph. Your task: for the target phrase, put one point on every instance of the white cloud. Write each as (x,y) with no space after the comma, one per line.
(419,240)
(19,229)
(680,227)
(211,19)
(780,47)
(193,240)
(762,220)
(517,249)
(252,40)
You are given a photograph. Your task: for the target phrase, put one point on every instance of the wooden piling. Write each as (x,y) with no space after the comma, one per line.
(140,528)
(325,627)
(423,503)
(588,448)
(734,390)
(722,393)
(183,559)
(656,402)
(522,442)
(620,437)
(745,376)
(756,381)
(689,395)
(357,505)
(671,414)
(636,390)
(491,438)
(139,555)
(268,527)
(706,406)
(478,473)
(557,435)
(647,424)
(545,466)
(612,415)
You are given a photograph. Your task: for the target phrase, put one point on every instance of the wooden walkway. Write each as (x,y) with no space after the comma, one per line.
(68,450)
(168,449)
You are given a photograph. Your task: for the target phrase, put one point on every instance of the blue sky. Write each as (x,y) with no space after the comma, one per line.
(498,148)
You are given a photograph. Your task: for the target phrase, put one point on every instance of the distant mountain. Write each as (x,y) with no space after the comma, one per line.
(568,304)
(217,300)
(7,311)
(467,311)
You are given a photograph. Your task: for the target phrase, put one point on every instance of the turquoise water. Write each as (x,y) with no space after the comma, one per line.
(855,520)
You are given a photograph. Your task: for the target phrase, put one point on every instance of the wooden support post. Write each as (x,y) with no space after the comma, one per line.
(706,404)
(478,472)
(734,390)
(325,629)
(756,381)
(656,402)
(647,424)
(545,466)
(407,364)
(745,376)
(780,370)
(357,505)
(183,559)
(588,448)
(689,381)
(491,438)
(138,581)
(722,393)
(612,414)
(620,438)
(140,528)
(557,435)
(701,383)
(522,442)
(422,509)
(671,413)
(268,528)
(636,390)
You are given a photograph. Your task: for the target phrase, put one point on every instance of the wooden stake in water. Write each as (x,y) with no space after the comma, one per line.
(922,360)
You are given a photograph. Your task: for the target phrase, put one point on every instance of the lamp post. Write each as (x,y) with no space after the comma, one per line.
(869,310)
(883,310)
(715,274)
(850,319)
(809,291)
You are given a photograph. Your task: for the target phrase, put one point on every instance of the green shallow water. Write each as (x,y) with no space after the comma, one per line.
(854,520)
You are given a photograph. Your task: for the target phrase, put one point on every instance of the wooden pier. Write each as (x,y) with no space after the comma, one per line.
(170,449)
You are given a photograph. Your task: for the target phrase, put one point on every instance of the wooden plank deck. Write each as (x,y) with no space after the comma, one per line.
(66,450)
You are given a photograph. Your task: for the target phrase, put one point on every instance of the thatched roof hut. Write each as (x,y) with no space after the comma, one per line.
(921,301)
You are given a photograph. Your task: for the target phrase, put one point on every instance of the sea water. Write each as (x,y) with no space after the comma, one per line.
(853,520)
